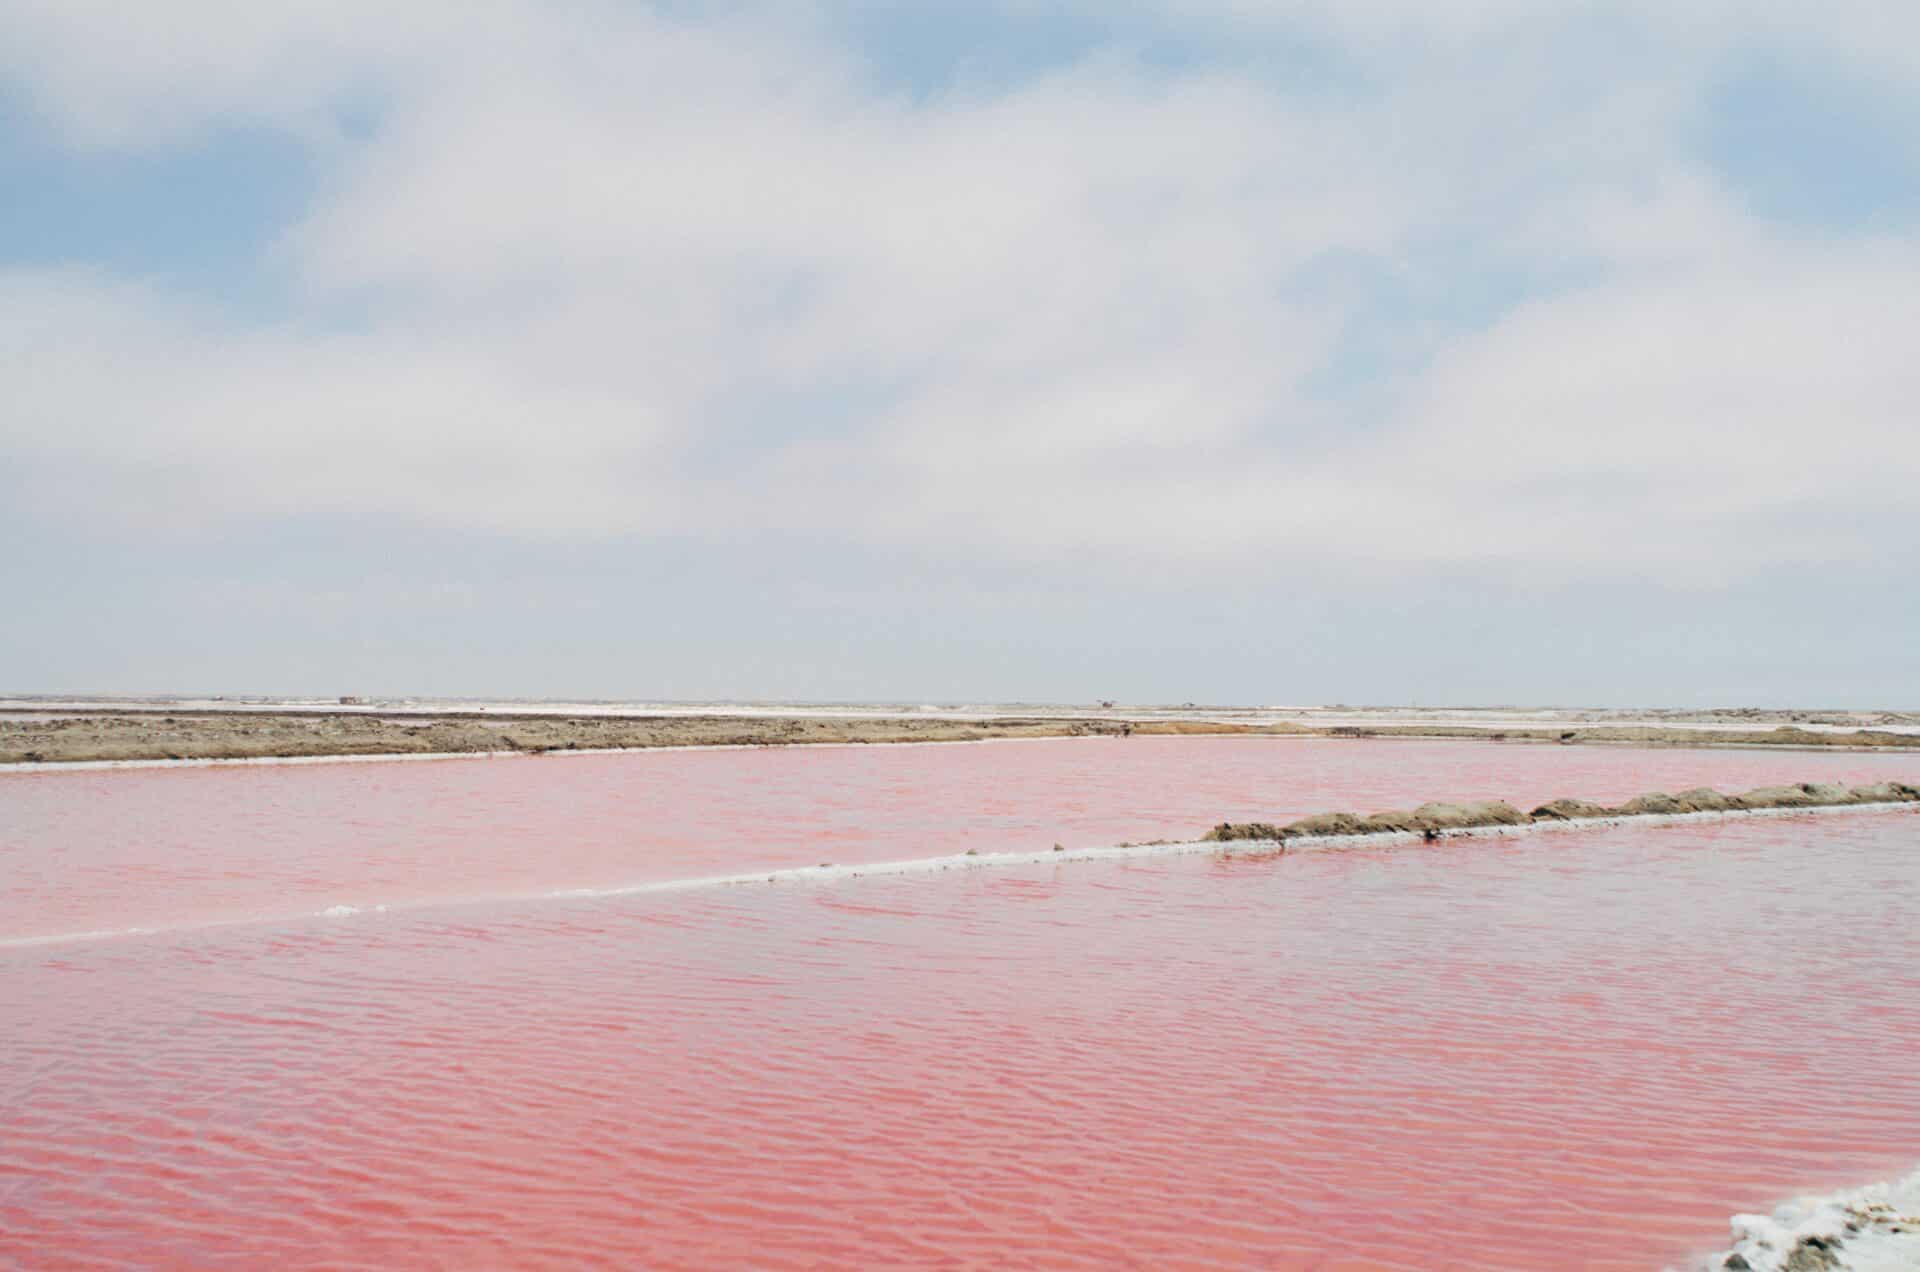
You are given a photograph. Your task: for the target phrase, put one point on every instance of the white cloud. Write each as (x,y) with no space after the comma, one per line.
(1727,420)
(130,412)
(595,246)
(1882,32)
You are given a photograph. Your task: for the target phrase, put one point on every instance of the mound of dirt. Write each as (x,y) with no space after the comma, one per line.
(1570,810)
(1432,819)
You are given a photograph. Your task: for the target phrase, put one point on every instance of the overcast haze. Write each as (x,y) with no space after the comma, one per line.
(1395,350)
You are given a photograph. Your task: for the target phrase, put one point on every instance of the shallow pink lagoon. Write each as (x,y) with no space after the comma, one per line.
(1581,1049)
(106,850)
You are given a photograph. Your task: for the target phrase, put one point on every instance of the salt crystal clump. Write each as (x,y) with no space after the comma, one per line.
(1871,1229)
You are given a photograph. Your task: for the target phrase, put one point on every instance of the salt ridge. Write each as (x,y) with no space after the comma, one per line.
(829,872)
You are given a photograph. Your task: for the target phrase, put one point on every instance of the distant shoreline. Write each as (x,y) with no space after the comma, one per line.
(55,733)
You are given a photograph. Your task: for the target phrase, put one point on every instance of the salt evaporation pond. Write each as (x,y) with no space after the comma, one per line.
(1579,1049)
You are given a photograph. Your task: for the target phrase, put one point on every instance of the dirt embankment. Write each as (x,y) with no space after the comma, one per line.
(226,734)
(1433,820)
(1644,735)
(254,735)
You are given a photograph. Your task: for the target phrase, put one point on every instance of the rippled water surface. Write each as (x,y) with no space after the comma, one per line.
(1582,1049)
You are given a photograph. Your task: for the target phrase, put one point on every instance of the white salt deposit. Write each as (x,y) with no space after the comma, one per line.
(1871,1229)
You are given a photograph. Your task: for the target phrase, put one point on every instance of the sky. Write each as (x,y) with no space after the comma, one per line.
(1307,351)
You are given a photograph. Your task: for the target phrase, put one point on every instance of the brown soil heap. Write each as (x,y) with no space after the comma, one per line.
(54,735)
(226,735)
(1433,819)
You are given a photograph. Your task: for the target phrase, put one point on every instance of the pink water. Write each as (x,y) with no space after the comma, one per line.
(95,851)
(1580,1049)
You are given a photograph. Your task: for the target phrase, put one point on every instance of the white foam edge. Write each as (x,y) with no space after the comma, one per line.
(830,872)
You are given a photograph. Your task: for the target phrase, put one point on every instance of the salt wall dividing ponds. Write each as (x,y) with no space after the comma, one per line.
(1504,1053)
